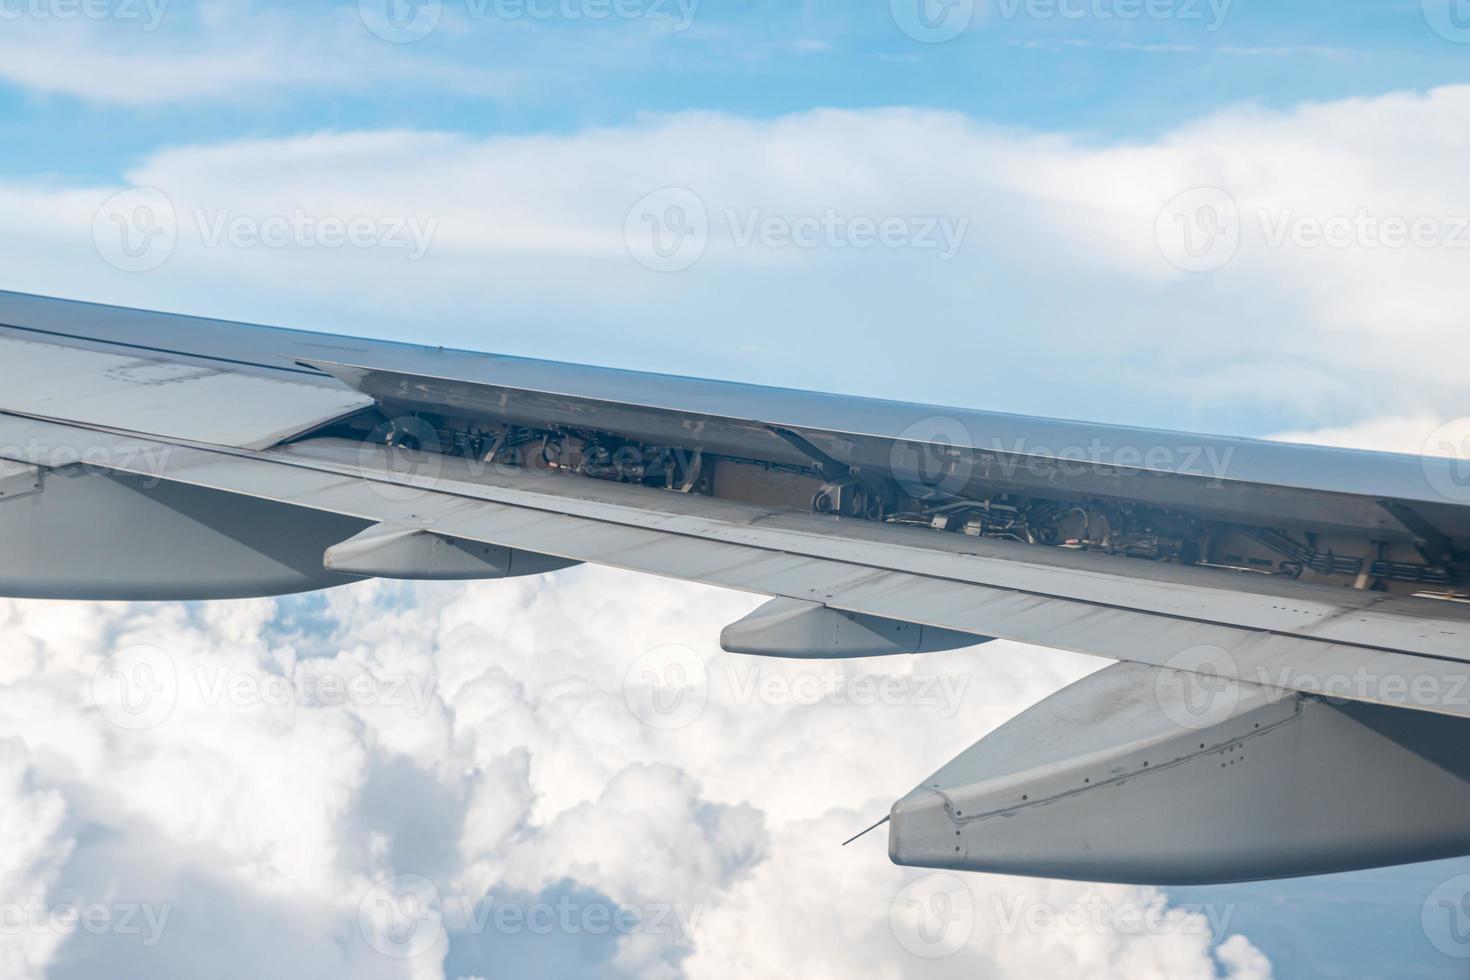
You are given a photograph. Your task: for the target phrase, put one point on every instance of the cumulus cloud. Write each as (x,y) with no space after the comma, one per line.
(442,781)
(508,758)
(1345,227)
(32,819)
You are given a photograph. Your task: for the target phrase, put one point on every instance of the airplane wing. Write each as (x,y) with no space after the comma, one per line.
(1299,607)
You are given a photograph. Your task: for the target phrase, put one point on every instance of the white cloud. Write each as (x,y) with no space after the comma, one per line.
(153,53)
(522,768)
(1419,435)
(37,847)
(263,819)
(1059,272)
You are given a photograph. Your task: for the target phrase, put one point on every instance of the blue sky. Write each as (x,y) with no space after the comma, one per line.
(1209,94)
(1053,144)
(1102,77)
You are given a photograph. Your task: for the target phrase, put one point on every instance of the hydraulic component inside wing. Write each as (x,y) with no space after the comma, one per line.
(1117,499)
(1136,774)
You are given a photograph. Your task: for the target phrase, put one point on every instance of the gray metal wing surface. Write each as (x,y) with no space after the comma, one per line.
(150,456)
